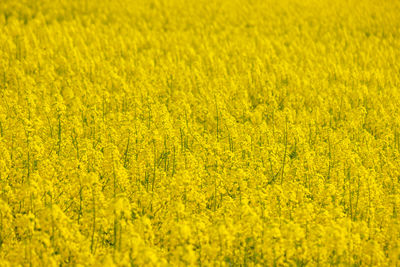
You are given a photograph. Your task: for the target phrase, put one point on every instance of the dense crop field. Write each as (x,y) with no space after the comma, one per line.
(209,133)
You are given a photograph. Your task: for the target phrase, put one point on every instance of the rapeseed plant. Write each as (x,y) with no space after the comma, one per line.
(184,133)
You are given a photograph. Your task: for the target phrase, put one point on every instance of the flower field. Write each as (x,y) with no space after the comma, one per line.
(199,133)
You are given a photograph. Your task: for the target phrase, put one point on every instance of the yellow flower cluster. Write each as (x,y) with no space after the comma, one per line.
(199,133)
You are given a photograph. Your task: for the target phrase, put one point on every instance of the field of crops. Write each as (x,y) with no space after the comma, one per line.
(199,133)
